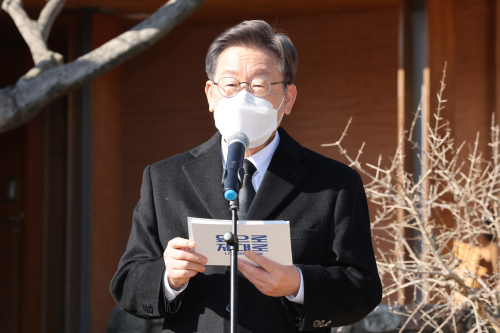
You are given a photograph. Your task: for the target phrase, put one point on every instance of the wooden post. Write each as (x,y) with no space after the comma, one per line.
(106,181)
(441,51)
(497,61)
(405,108)
(33,241)
(440,16)
(405,76)
(495,249)
(73,187)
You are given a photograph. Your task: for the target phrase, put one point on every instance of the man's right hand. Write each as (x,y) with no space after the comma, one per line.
(181,263)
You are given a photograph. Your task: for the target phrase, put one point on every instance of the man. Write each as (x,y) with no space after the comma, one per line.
(334,280)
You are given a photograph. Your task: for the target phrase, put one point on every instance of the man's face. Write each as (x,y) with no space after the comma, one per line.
(245,63)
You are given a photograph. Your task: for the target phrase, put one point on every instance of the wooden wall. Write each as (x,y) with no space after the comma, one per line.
(474,72)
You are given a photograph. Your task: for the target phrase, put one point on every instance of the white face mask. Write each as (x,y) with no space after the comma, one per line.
(247,114)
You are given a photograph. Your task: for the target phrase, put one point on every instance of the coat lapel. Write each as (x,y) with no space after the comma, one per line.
(205,174)
(283,175)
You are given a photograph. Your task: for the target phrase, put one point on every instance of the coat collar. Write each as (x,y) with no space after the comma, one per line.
(205,176)
(283,175)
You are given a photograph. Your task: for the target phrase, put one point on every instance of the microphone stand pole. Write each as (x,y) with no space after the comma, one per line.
(232,179)
(231,239)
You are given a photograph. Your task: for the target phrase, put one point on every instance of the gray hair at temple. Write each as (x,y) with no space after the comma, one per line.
(255,33)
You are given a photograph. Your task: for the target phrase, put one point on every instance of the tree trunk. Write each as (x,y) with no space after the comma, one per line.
(21,102)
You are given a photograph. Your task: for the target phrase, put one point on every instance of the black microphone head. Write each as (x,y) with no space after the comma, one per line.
(238,136)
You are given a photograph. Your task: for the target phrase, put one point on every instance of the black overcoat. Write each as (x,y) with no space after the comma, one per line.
(323,199)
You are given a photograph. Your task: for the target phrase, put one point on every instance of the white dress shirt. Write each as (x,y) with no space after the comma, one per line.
(261,160)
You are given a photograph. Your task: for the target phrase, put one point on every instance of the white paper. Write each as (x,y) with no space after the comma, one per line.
(270,239)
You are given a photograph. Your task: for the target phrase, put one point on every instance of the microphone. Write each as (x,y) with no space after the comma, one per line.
(238,143)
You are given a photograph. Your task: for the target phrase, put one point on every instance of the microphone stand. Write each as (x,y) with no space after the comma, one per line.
(232,179)
(231,239)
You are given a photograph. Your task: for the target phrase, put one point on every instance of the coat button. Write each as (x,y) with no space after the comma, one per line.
(328,323)
(316,323)
(322,323)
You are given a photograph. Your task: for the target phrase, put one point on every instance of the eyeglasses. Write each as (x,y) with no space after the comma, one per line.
(259,86)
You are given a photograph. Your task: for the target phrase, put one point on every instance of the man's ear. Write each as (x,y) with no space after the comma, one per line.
(291,96)
(210,95)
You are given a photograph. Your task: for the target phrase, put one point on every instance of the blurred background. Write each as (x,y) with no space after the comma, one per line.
(71,176)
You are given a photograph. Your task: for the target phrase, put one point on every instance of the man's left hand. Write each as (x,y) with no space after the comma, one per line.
(271,279)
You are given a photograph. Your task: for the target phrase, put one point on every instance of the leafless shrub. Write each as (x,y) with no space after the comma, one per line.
(438,274)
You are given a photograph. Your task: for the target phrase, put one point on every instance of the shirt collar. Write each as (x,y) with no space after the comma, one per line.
(261,159)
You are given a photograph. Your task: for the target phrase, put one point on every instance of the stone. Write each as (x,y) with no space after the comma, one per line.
(381,320)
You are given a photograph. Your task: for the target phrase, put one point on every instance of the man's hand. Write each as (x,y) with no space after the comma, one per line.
(181,263)
(272,279)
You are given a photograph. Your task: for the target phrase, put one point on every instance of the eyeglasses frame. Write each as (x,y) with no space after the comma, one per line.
(248,83)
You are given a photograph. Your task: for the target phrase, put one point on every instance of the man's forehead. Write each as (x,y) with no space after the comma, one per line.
(247,60)
(256,71)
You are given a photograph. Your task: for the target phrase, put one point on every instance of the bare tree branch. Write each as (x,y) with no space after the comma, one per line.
(448,272)
(29,29)
(48,15)
(21,102)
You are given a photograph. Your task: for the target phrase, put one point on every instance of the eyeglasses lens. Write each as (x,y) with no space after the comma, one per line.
(260,86)
(228,86)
